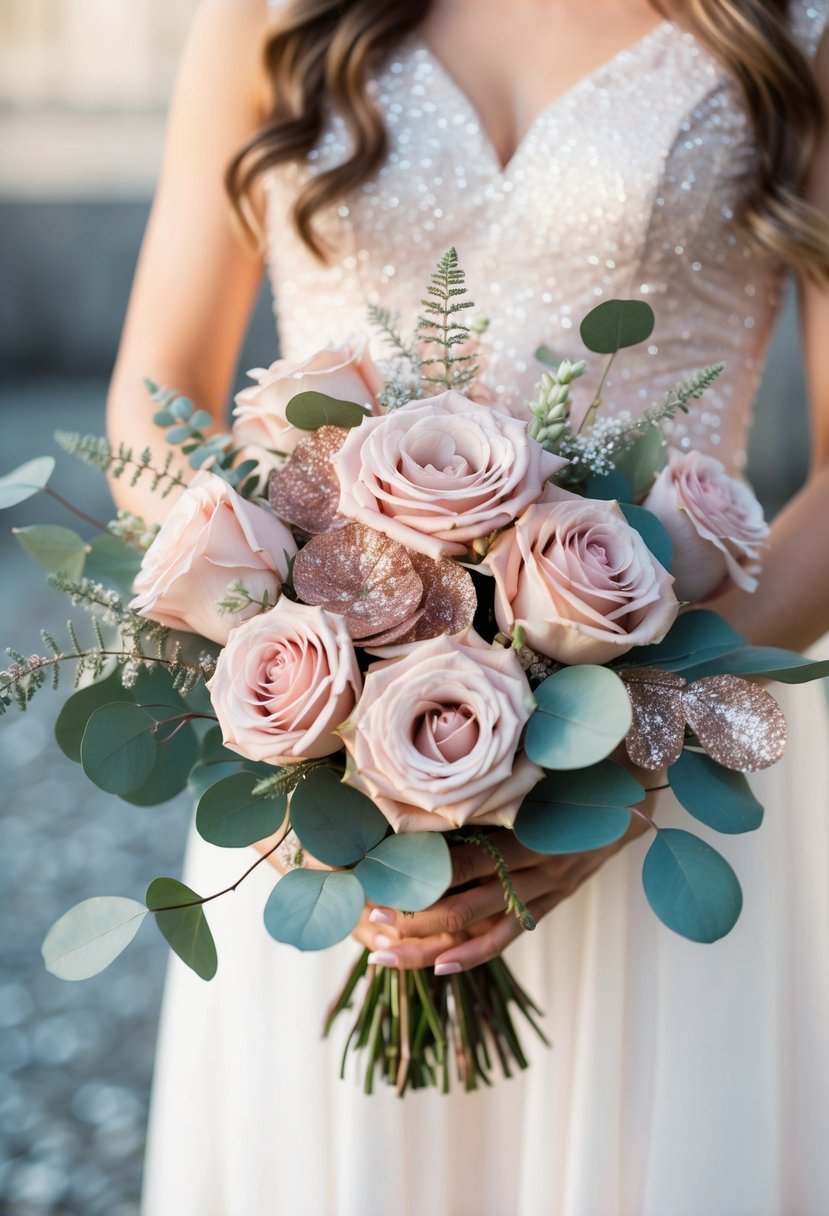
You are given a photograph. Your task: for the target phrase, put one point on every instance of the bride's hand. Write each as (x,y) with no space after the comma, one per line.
(470,926)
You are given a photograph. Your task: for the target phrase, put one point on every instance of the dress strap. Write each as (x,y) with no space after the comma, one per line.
(808,20)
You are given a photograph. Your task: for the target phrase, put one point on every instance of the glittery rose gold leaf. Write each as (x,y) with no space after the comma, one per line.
(739,724)
(306,492)
(362,575)
(449,600)
(657,732)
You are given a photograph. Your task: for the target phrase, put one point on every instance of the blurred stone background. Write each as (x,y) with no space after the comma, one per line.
(83,87)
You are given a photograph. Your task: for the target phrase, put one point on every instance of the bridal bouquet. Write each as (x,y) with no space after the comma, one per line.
(385,619)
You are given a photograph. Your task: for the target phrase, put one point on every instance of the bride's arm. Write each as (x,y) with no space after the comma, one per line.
(196,281)
(790,608)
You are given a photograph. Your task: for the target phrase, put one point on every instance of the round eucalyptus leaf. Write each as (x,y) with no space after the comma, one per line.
(653,532)
(608,486)
(408,872)
(79,708)
(643,461)
(207,773)
(582,714)
(110,561)
(231,816)
(309,411)
(314,909)
(551,826)
(690,886)
(615,324)
(25,481)
(695,635)
(54,548)
(715,795)
(335,823)
(185,927)
(117,748)
(173,761)
(89,936)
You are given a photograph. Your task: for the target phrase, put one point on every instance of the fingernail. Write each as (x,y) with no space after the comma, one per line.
(447,968)
(383,942)
(383,958)
(382,916)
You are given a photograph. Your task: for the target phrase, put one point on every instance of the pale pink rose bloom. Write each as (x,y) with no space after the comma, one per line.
(283,684)
(435,738)
(437,475)
(260,426)
(715,522)
(581,583)
(211,537)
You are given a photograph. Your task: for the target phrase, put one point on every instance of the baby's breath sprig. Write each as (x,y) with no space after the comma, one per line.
(238,598)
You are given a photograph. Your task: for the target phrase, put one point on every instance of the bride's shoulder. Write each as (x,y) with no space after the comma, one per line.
(224,48)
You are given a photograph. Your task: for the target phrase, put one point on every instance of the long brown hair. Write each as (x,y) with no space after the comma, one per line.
(321,52)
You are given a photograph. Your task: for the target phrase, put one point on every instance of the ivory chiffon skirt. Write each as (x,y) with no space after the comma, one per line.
(684,1080)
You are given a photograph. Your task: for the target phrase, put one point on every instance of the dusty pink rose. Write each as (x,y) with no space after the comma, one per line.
(580,582)
(283,684)
(715,522)
(211,538)
(435,737)
(437,475)
(261,428)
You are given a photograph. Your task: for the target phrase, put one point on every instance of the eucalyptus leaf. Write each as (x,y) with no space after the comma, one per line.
(582,714)
(573,812)
(174,758)
(608,486)
(117,748)
(79,708)
(111,561)
(616,324)
(207,773)
(185,928)
(548,357)
(716,796)
(89,936)
(768,662)
(335,823)
(653,533)
(695,635)
(25,481)
(54,548)
(690,886)
(643,461)
(408,872)
(314,909)
(231,816)
(309,411)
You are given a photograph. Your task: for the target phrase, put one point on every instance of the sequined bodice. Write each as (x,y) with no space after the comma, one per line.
(625,186)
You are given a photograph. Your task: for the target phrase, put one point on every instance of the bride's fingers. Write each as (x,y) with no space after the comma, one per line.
(455,913)
(411,952)
(488,945)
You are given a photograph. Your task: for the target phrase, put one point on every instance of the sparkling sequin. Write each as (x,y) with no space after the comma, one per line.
(592,205)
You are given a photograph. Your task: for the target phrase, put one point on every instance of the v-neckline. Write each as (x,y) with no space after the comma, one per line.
(503,169)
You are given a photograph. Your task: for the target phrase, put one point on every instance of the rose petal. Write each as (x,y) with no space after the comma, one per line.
(306,492)
(655,738)
(739,724)
(361,575)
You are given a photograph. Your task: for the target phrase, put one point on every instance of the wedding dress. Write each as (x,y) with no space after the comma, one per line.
(683,1080)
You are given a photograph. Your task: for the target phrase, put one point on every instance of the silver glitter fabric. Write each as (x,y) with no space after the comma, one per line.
(625,186)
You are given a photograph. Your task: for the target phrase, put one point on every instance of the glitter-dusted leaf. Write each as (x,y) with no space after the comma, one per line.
(739,724)
(306,492)
(361,574)
(655,738)
(448,604)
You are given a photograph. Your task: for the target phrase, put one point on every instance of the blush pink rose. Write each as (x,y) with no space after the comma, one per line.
(211,537)
(260,426)
(581,583)
(437,475)
(283,684)
(435,738)
(715,522)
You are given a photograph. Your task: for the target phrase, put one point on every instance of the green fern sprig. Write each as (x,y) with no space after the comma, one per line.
(387,322)
(98,452)
(439,326)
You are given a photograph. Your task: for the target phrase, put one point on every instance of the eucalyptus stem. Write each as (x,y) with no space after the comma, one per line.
(70,506)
